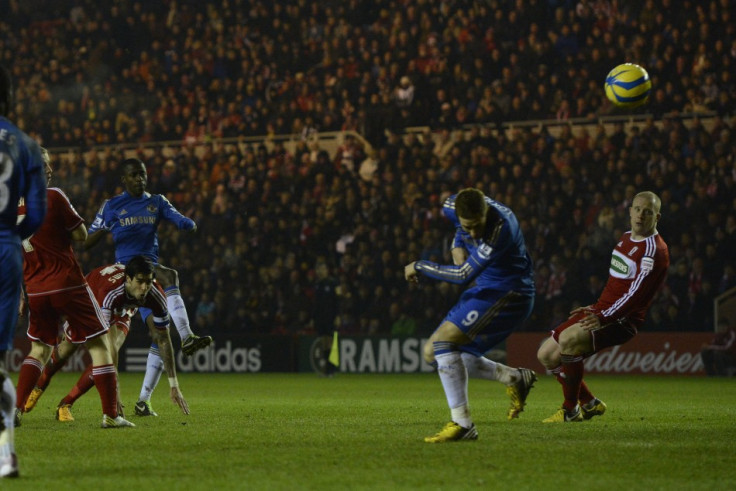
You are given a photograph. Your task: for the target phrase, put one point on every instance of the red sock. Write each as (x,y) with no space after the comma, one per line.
(53,366)
(84,383)
(106,381)
(30,370)
(572,368)
(585,395)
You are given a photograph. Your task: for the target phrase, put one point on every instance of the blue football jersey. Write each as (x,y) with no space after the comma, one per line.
(133,223)
(497,261)
(21,176)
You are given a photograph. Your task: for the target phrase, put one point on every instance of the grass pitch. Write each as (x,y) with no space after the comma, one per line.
(299,431)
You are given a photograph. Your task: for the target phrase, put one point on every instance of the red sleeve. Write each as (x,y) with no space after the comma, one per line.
(69,215)
(651,272)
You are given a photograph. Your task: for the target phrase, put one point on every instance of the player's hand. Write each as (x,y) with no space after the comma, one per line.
(410,273)
(22,306)
(581,310)
(590,322)
(178,398)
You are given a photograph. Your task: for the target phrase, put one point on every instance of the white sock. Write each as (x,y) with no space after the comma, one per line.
(482,367)
(7,406)
(178,312)
(154,369)
(454,378)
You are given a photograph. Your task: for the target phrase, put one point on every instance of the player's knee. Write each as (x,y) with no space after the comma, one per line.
(547,353)
(167,276)
(40,352)
(572,340)
(428,352)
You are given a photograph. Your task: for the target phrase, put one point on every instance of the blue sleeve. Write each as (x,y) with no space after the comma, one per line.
(35,193)
(99,221)
(458,241)
(172,215)
(460,275)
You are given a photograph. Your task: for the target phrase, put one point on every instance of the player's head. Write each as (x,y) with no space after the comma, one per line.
(6,91)
(134,176)
(471,209)
(47,164)
(644,214)
(139,274)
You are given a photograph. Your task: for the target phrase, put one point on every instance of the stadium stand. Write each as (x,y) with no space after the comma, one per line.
(298,131)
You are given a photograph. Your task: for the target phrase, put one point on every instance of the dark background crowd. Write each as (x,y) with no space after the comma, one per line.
(93,77)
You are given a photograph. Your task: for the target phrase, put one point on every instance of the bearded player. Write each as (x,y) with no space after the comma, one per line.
(638,268)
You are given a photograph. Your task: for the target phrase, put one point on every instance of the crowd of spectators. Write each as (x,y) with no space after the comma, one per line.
(91,76)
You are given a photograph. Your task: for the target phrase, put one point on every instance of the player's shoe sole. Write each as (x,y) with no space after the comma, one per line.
(194,343)
(118,422)
(519,391)
(453,432)
(144,408)
(33,398)
(596,409)
(562,416)
(64,413)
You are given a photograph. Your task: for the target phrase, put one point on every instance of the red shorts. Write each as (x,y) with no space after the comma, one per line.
(613,333)
(78,306)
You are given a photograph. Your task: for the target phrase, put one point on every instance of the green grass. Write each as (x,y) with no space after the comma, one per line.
(299,431)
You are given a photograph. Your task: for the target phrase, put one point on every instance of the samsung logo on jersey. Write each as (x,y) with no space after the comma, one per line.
(124,222)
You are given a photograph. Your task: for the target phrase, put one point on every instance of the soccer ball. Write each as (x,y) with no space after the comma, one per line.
(628,85)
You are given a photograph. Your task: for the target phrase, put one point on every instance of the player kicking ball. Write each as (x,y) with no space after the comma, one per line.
(488,249)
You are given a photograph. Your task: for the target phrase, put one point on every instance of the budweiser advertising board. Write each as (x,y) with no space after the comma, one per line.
(665,353)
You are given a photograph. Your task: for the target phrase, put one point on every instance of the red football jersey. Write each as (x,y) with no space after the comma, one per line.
(638,268)
(108,285)
(49,264)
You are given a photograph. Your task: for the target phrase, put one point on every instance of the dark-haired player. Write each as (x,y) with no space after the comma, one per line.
(133,218)
(120,291)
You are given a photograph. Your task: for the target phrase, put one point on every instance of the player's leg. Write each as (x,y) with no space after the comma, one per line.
(190,342)
(87,325)
(30,371)
(104,374)
(443,348)
(63,351)
(491,319)
(154,370)
(43,332)
(10,290)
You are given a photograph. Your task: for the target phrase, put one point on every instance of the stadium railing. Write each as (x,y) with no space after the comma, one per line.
(330,141)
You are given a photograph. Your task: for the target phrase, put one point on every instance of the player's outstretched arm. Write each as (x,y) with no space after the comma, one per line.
(94,238)
(166,350)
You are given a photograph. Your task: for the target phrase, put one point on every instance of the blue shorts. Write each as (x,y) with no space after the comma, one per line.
(11,278)
(487,317)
